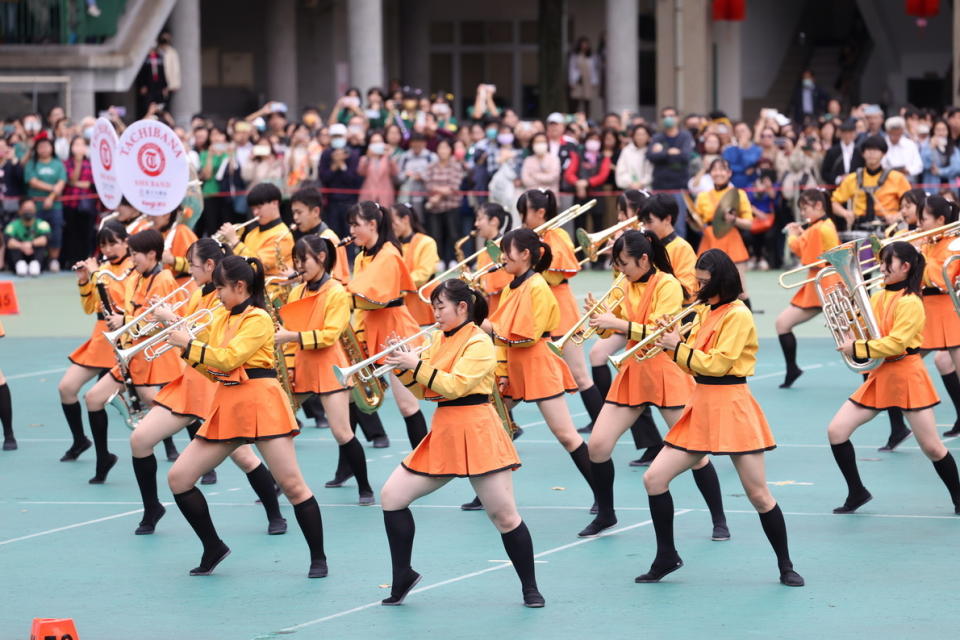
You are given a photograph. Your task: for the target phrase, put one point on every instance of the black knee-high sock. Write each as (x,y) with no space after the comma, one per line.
(416,428)
(776,529)
(592,401)
(74,416)
(308,517)
(897,425)
(194,508)
(400,531)
(602,379)
(352,453)
(602,474)
(145,469)
(644,430)
(947,470)
(98,429)
(369,423)
(709,485)
(788,343)
(661,511)
(581,458)
(519,547)
(952,384)
(6,410)
(261,480)
(846,459)
(192,429)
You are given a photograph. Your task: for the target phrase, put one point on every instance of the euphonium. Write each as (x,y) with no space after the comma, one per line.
(369,390)
(647,348)
(607,303)
(365,371)
(846,305)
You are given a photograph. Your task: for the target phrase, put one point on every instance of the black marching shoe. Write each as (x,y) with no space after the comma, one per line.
(473,505)
(954,430)
(149,522)
(720,532)
(956,508)
(10,444)
(210,477)
(171,450)
(896,440)
(322,423)
(75,450)
(338,480)
(277,526)
(399,592)
(318,569)
(366,500)
(518,432)
(791,578)
(209,561)
(381,443)
(101,475)
(791,377)
(586,429)
(594,509)
(658,570)
(533,599)
(594,528)
(648,456)
(853,503)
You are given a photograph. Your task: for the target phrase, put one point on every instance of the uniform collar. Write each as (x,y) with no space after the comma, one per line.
(315,286)
(667,239)
(646,277)
(156,269)
(519,280)
(270,225)
(406,239)
(899,286)
(240,308)
(207,289)
(455,330)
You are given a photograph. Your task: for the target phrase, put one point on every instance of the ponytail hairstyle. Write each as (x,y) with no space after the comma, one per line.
(940,207)
(208,249)
(494,210)
(404,210)
(526,240)
(813,196)
(313,245)
(906,252)
(633,200)
(456,291)
(644,243)
(111,231)
(233,269)
(534,199)
(919,199)
(369,210)
(724,277)
(146,241)
(660,206)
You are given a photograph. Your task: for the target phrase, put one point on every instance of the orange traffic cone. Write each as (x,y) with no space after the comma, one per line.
(53,629)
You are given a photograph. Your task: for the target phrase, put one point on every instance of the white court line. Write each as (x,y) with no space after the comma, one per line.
(465,576)
(36,373)
(806,367)
(70,526)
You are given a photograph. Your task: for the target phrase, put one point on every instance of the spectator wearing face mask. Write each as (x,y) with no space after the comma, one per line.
(442,182)
(589,168)
(26,240)
(670,153)
(541,169)
(338,171)
(378,170)
(809,100)
(634,170)
(941,157)
(902,153)
(80,205)
(412,167)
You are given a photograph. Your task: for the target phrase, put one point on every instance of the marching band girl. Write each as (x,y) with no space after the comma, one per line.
(491,221)
(419,254)
(901,381)
(315,315)
(249,406)
(467,438)
(721,417)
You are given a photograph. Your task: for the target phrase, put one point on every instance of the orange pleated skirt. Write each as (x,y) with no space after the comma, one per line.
(942,329)
(536,373)
(902,383)
(255,409)
(731,244)
(721,419)
(569,312)
(657,381)
(463,442)
(380,324)
(95,353)
(155,373)
(190,395)
(313,371)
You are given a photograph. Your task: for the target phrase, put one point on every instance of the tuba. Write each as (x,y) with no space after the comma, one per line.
(846,305)
(368,391)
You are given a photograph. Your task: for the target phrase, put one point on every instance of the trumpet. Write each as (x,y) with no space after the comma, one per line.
(135,332)
(157,345)
(647,348)
(592,243)
(577,334)
(218,236)
(363,369)
(458,245)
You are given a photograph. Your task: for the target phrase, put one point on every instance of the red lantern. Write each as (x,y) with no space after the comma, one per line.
(923,8)
(734,10)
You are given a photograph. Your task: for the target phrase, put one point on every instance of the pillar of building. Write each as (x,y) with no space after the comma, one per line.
(81,101)
(623,64)
(281,34)
(365,26)
(185,28)
(684,55)
(728,80)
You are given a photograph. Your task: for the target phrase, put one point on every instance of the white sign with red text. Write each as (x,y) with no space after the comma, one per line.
(103,150)
(152,167)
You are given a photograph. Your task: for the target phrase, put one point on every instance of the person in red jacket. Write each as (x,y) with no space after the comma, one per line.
(588,170)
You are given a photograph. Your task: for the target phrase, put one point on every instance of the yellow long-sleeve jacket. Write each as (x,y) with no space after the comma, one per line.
(90,299)
(527,313)
(901,319)
(250,347)
(472,370)
(336,313)
(666,299)
(730,350)
(271,242)
(683,259)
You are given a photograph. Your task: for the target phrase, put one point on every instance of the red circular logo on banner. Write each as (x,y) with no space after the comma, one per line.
(151,160)
(106,155)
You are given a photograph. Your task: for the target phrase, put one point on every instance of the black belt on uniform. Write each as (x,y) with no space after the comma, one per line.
(564,281)
(261,373)
(395,303)
(720,379)
(466,401)
(933,291)
(101,315)
(912,351)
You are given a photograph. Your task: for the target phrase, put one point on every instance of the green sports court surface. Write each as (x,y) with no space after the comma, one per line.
(67,548)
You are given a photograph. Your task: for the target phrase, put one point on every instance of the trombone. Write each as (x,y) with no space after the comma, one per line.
(607,303)
(133,331)
(237,227)
(592,243)
(156,345)
(647,348)
(470,277)
(364,374)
